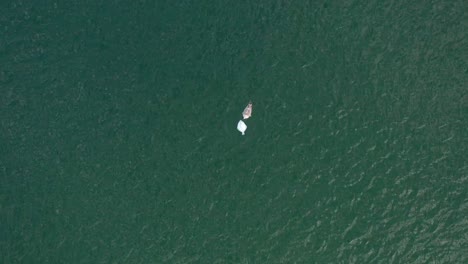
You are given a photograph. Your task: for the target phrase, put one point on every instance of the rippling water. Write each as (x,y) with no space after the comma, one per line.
(119,140)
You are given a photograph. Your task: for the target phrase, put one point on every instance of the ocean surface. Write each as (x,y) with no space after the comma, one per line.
(119,143)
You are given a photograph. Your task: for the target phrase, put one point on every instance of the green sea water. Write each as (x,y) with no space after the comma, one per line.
(119,143)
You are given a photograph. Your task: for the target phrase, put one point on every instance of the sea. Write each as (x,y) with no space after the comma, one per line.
(118,139)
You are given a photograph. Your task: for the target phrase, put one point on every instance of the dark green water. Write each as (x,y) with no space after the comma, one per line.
(119,141)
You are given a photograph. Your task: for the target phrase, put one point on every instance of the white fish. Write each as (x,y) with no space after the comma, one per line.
(241,126)
(247,111)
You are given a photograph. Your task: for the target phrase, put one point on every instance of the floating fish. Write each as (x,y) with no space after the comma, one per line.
(241,126)
(247,111)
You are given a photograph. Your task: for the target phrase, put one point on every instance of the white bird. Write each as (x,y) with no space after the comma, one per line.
(247,111)
(241,126)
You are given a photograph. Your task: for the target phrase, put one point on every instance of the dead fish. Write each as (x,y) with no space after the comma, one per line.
(247,111)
